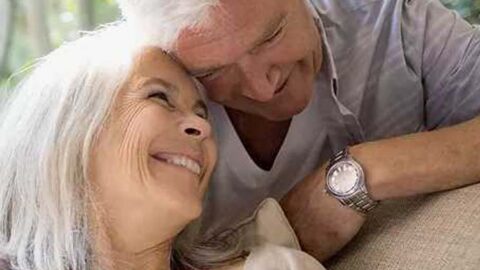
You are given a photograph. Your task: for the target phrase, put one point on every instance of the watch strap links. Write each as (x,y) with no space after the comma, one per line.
(360,202)
(337,157)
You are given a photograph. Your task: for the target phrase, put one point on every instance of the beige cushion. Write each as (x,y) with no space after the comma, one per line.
(270,225)
(271,241)
(439,231)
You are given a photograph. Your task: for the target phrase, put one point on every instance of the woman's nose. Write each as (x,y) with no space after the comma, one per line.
(196,127)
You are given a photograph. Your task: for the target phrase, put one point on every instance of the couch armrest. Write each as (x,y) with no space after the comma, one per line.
(438,231)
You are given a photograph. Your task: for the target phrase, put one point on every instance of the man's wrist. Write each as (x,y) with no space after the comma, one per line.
(345,181)
(372,170)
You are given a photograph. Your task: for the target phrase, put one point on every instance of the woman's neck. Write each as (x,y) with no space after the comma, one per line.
(127,254)
(154,258)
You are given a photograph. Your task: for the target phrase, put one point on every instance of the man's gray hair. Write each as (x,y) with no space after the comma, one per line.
(160,22)
(47,129)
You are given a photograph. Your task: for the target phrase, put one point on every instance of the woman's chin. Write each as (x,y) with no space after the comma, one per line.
(194,211)
(188,209)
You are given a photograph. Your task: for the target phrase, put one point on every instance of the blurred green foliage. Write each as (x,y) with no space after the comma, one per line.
(469,9)
(64,25)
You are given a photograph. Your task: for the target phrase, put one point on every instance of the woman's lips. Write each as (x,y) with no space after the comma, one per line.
(180,160)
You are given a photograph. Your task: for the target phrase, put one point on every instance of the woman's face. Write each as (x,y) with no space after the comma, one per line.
(154,157)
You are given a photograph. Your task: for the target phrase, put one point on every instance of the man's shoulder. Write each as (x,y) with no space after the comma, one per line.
(349,5)
(342,8)
(353,25)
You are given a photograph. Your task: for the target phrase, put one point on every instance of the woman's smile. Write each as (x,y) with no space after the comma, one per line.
(192,163)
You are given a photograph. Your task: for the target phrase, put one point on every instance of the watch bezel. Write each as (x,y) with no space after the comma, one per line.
(358,181)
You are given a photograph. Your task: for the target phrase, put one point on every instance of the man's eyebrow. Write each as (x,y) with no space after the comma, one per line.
(203,71)
(195,71)
(271,28)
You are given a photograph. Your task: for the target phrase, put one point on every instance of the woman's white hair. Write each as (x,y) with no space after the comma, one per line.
(47,128)
(160,22)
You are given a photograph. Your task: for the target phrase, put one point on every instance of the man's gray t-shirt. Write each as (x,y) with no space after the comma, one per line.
(392,67)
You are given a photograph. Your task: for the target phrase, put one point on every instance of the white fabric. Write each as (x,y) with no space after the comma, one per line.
(268,224)
(272,242)
(271,257)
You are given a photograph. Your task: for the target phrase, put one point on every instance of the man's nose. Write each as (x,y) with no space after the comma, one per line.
(261,80)
(195,127)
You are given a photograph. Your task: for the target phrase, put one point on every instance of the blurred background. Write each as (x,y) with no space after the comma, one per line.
(31,28)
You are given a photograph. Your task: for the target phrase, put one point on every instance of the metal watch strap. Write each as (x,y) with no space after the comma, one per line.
(338,156)
(360,201)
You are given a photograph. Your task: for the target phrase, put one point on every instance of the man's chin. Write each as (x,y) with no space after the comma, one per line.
(283,115)
(275,114)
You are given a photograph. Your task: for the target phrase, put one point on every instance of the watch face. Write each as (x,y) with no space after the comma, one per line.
(343,177)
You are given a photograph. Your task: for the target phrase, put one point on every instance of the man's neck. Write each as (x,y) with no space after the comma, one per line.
(261,138)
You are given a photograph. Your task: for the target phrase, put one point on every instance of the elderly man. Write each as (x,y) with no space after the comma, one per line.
(293,83)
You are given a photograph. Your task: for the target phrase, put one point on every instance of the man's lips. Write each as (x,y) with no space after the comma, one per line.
(193,164)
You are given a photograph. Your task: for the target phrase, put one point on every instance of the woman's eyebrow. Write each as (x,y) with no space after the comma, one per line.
(167,85)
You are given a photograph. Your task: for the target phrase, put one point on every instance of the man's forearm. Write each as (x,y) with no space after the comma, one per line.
(422,163)
(394,168)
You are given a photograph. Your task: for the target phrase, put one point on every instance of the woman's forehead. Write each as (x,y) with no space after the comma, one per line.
(154,62)
(154,65)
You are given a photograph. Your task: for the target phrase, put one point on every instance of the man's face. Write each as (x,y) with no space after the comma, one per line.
(255,56)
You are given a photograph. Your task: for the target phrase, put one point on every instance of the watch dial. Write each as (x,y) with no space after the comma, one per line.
(343,178)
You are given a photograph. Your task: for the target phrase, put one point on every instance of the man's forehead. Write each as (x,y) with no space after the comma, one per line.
(226,18)
(233,25)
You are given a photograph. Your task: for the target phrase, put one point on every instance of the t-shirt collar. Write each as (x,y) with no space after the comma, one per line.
(327,52)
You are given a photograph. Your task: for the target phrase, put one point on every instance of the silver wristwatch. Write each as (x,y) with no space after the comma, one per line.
(345,181)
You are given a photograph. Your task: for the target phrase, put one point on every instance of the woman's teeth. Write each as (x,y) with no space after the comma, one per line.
(185,162)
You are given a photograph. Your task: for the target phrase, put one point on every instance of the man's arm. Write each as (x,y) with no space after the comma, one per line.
(399,167)
(444,51)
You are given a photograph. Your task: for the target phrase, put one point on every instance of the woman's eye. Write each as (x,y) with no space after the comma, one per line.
(162,96)
(202,114)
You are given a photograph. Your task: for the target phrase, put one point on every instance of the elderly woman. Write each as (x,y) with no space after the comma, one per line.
(106,153)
